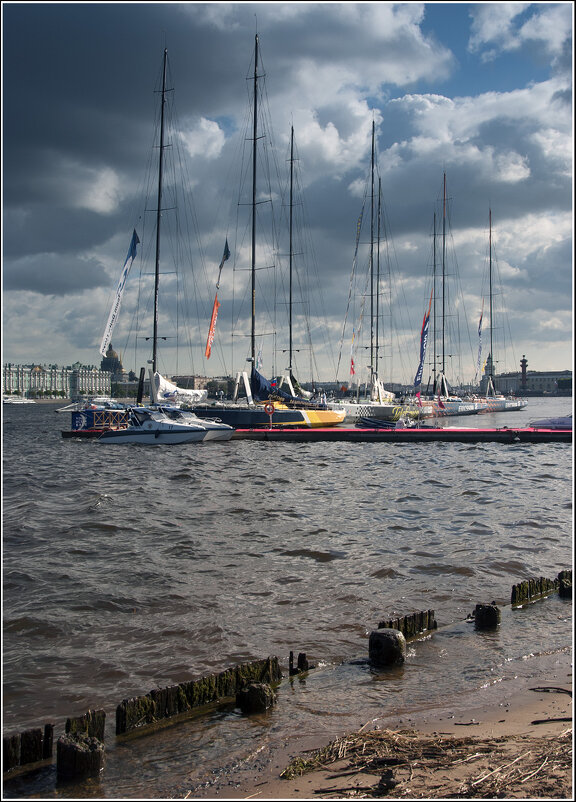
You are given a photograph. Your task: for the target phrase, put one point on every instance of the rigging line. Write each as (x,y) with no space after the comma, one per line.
(351,284)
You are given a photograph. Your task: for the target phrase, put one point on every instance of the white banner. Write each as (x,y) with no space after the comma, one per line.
(119,291)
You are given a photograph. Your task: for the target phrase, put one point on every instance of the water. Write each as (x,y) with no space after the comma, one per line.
(128,568)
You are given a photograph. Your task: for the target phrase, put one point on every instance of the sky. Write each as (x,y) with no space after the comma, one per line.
(476,95)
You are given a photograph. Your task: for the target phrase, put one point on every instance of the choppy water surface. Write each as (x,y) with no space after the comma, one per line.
(130,567)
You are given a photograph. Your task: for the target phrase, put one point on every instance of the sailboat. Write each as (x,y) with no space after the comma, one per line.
(161,422)
(265,404)
(442,402)
(494,401)
(378,403)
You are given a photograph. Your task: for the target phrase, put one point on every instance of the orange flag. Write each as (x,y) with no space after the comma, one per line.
(212,328)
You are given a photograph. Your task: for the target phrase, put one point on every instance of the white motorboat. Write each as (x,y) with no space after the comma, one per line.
(157,427)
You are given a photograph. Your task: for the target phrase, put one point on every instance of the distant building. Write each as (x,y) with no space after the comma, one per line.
(191,382)
(531,382)
(52,381)
(111,363)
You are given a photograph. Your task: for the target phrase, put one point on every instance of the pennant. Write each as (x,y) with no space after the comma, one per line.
(479,362)
(212,328)
(225,257)
(423,344)
(113,316)
(352,369)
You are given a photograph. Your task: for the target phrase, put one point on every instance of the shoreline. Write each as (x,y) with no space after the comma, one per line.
(520,737)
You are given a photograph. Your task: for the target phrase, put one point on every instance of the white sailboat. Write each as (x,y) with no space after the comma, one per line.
(374,401)
(162,422)
(265,404)
(494,400)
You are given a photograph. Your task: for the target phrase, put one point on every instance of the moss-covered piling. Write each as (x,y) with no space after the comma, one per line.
(163,703)
(412,625)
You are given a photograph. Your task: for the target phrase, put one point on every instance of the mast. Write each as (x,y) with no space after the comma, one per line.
(372,367)
(434,356)
(253,270)
(379,215)
(444,286)
(291,251)
(491,382)
(159,217)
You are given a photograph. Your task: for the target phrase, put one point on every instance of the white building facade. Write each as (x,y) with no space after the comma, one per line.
(52,381)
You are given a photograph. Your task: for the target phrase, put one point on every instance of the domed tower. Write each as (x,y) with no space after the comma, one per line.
(111,363)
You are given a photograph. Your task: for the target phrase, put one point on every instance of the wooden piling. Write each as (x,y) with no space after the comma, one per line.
(532,589)
(92,723)
(163,703)
(79,756)
(565,584)
(487,616)
(256,697)
(412,625)
(26,747)
(11,751)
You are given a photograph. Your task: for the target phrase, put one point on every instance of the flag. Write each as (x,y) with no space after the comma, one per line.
(479,361)
(119,292)
(212,329)
(423,344)
(225,257)
(352,370)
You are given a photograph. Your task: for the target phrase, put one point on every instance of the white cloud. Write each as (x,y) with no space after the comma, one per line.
(205,138)
(100,190)
(502,27)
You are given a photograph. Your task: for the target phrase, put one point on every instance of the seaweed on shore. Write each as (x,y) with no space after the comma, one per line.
(439,766)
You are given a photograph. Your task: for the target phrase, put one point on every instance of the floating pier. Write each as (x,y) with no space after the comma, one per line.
(409,435)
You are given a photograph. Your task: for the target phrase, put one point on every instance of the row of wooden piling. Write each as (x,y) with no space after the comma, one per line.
(412,625)
(80,751)
(162,703)
(532,589)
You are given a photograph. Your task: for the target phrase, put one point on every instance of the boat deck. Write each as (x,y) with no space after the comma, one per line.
(410,435)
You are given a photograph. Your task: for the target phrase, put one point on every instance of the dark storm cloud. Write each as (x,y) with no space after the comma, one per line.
(79,106)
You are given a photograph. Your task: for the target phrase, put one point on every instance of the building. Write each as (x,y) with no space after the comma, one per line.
(52,381)
(112,364)
(531,382)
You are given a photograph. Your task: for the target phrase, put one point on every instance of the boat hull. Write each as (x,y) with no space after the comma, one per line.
(429,409)
(152,437)
(254,416)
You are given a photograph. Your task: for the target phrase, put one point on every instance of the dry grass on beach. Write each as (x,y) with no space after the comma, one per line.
(516,746)
(405,764)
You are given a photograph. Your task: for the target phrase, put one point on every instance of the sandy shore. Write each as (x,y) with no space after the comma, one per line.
(517,746)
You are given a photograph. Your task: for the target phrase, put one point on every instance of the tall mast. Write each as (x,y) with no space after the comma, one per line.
(490,290)
(444,284)
(378,218)
(255,135)
(372,263)
(159,217)
(290,257)
(435,356)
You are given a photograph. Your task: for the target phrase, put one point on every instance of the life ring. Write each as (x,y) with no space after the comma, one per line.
(269,408)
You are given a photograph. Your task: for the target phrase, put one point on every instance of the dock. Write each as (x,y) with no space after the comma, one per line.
(410,435)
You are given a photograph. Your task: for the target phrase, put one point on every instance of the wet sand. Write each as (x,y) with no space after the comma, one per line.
(516,745)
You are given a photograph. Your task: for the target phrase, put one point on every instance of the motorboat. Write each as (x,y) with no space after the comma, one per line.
(165,427)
